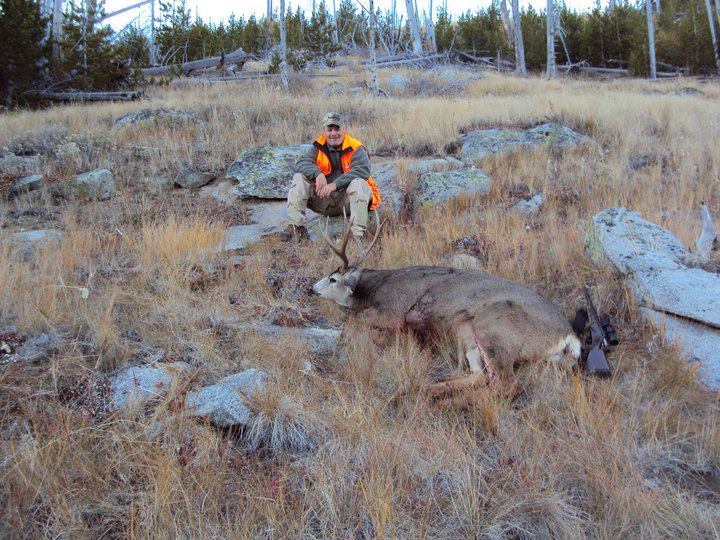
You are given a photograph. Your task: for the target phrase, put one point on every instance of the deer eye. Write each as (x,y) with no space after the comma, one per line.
(333,280)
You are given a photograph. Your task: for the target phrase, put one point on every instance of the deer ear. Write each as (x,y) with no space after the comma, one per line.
(351,279)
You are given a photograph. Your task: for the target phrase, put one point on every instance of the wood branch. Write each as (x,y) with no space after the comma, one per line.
(123,10)
(129,95)
(187,67)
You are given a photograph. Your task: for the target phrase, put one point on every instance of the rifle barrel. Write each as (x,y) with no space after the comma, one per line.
(595,323)
(596,362)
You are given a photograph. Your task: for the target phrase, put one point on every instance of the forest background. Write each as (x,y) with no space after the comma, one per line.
(90,55)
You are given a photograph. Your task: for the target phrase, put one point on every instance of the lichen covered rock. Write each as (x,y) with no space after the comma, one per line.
(483,143)
(265,172)
(154,117)
(437,187)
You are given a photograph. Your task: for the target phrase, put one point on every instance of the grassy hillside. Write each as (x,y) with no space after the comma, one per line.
(549,455)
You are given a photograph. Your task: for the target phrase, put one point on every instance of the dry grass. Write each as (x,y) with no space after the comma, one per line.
(334,453)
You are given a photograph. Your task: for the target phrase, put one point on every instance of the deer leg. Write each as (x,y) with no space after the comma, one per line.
(454,385)
(381,319)
(480,365)
(479,361)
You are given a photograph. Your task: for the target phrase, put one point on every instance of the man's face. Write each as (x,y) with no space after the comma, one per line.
(334,135)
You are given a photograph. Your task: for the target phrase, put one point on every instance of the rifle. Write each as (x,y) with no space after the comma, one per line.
(603,336)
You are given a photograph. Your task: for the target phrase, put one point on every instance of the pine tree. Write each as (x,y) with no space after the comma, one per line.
(294,23)
(353,27)
(445,31)
(172,36)
(252,36)
(23,51)
(534,39)
(319,33)
(90,60)
(232,35)
(134,44)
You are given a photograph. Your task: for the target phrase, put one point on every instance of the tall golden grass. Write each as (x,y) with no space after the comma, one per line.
(354,449)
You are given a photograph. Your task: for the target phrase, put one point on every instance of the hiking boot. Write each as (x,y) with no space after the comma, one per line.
(295,234)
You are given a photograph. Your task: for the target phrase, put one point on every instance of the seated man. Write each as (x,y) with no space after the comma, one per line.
(334,175)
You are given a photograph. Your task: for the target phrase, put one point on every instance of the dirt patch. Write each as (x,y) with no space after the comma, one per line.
(88,395)
(475,245)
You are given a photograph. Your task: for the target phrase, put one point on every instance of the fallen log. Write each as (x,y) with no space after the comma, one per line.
(187,67)
(129,95)
(614,71)
(476,59)
(200,81)
(409,60)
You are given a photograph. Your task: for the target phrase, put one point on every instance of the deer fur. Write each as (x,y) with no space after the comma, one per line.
(497,323)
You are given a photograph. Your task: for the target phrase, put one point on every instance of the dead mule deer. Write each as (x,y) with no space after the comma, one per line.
(498,323)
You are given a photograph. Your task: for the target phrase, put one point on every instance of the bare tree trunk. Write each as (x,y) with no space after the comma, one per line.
(560,32)
(657,6)
(153,49)
(373,53)
(551,72)
(268,24)
(507,25)
(651,39)
(430,30)
(283,49)
(414,27)
(712,33)
(57,20)
(519,47)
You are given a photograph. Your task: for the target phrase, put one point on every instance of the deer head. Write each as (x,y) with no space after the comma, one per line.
(340,284)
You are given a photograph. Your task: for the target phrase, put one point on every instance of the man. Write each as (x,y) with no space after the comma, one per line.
(334,175)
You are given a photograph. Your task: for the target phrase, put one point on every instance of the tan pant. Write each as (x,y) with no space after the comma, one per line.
(355,200)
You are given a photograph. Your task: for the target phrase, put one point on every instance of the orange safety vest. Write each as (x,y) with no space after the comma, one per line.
(349,145)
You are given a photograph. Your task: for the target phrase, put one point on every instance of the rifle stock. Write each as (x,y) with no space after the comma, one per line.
(596,363)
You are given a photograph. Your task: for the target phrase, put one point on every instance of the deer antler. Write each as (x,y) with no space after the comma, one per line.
(361,257)
(340,252)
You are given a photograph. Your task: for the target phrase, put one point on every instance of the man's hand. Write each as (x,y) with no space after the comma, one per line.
(326,190)
(320,183)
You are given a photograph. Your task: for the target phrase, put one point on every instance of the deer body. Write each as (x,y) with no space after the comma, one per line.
(498,323)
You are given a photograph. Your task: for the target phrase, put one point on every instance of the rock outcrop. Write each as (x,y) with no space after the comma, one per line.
(477,145)
(222,403)
(671,294)
(265,172)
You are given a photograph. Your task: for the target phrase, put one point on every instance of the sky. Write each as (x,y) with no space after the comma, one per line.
(216,11)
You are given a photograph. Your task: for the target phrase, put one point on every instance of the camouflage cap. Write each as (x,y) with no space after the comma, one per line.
(332,119)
